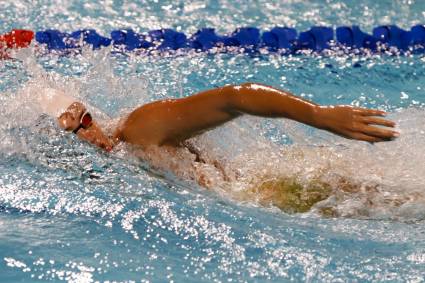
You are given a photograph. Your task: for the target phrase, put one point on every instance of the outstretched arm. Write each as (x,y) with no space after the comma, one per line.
(172,121)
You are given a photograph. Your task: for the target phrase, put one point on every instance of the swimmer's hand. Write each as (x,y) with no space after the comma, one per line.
(355,123)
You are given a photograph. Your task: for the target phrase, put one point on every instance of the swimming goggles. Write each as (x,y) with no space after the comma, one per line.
(85,122)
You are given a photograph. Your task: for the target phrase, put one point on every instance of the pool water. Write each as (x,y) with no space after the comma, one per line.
(69,212)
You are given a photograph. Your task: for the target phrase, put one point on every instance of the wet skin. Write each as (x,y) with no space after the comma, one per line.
(172,121)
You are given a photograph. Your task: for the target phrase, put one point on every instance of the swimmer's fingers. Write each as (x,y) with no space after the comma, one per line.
(379,132)
(364,137)
(377,121)
(369,112)
(366,116)
(356,123)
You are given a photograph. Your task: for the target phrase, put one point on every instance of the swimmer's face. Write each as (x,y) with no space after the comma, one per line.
(70,119)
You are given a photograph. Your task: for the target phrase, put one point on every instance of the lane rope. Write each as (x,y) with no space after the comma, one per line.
(278,39)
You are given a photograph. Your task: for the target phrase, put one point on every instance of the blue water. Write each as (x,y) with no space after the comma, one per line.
(69,212)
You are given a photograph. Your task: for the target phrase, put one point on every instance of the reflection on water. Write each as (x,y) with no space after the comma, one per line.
(336,177)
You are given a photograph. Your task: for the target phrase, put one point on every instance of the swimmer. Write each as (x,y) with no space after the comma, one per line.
(170,123)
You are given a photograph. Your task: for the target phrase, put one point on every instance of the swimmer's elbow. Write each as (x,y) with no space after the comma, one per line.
(235,95)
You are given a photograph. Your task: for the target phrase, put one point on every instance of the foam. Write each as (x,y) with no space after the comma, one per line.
(53,102)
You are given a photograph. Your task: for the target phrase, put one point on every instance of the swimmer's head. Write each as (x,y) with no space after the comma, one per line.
(79,121)
(70,119)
